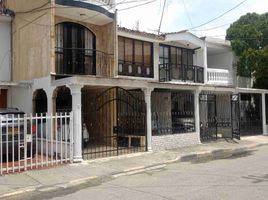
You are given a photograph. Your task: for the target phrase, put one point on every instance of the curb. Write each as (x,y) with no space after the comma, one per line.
(190,157)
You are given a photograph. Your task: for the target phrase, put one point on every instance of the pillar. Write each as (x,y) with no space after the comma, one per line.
(197,113)
(205,63)
(147,95)
(264,128)
(77,121)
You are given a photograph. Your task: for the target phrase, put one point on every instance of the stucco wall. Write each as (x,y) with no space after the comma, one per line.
(221,61)
(5,42)
(21,98)
(31,39)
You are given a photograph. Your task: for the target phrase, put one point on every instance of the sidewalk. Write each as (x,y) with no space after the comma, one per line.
(104,169)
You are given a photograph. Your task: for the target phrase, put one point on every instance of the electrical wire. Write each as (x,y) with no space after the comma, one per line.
(221,15)
(187,13)
(137,5)
(162,16)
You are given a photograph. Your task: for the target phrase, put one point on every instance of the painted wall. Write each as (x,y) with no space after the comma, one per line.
(21,98)
(31,39)
(221,61)
(5,43)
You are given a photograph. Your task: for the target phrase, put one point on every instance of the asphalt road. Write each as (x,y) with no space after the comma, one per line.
(242,177)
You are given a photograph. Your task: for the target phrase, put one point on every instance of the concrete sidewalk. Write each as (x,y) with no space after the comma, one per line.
(105,169)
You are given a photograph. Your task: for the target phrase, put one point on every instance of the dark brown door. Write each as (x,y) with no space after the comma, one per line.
(3,98)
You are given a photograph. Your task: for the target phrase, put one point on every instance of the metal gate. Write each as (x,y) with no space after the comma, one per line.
(208,117)
(114,124)
(250,114)
(235,114)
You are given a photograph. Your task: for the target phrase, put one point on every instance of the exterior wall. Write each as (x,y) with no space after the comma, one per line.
(244,82)
(221,61)
(105,41)
(24,102)
(5,50)
(165,142)
(31,39)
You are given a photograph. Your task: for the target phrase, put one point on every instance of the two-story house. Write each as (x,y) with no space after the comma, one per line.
(129,91)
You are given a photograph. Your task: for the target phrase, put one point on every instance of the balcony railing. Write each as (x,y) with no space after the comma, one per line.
(186,73)
(79,61)
(219,76)
(136,70)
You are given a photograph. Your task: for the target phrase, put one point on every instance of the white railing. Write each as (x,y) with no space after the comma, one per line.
(219,76)
(30,142)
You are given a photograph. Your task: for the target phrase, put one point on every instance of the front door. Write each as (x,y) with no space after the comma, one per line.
(3,98)
(235,116)
(250,114)
(208,117)
(114,122)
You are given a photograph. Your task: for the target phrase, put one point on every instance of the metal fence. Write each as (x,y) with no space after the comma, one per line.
(31,142)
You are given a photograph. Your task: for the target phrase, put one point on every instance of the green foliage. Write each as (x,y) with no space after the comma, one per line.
(249,40)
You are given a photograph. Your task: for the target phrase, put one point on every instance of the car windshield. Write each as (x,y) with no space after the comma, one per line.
(9,115)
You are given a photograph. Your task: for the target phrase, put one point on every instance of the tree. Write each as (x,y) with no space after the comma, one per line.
(249,40)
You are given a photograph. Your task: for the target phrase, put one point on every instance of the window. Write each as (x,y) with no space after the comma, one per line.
(75,50)
(135,57)
(175,55)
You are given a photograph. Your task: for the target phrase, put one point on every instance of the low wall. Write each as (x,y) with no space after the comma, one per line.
(165,142)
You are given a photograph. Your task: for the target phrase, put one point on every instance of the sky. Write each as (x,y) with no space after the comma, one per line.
(186,14)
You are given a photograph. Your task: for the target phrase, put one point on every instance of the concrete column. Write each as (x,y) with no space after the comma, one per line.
(50,101)
(205,63)
(156,61)
(147,94)
(196,113)
(77,121)
(264,127)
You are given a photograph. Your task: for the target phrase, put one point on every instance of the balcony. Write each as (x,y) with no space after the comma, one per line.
(219,77)
(184,73)
(98,12)
(79,61)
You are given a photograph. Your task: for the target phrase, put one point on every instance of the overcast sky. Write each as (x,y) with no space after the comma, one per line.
(185,14)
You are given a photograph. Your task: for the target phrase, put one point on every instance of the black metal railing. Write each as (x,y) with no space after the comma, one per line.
(135,69)
(80,61)
(191,73)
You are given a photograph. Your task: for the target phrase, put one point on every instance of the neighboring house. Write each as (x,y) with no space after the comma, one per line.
(129,91)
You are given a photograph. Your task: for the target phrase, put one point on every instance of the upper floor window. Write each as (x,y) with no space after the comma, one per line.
(135,57)
(177,63)
(175,55)
(75,49)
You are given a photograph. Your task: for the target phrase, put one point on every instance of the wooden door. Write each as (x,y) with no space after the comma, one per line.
(3,98)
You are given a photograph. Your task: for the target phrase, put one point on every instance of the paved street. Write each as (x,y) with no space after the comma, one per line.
(241,177)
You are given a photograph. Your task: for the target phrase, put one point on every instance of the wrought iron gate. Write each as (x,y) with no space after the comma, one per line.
(208,117)
(235,115)
(114,124)
(251,117)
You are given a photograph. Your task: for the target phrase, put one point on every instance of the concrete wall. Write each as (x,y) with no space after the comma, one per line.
(21,98)
(165,142)
(221,61)
(5,50)
(31,39)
